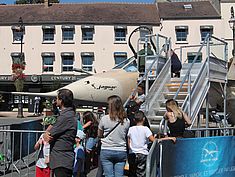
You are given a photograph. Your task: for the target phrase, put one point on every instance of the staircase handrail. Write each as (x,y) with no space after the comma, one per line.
(144,76)
(191,66)
(163,123)
(194,87)
(160,75)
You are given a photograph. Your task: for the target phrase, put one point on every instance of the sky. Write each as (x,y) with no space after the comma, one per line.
(84,1)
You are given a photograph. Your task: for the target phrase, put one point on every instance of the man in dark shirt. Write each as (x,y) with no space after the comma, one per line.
(176,65)
(62,136)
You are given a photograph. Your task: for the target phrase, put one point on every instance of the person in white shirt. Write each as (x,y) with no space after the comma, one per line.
(36,105)
(138,138)
(42,164)
(139,97)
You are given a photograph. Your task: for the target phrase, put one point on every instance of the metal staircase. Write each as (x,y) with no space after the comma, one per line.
(194,88)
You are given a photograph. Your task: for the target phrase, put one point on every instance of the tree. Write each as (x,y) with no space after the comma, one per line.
(34,1)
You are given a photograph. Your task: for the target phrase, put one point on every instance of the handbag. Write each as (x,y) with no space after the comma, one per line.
(188,134)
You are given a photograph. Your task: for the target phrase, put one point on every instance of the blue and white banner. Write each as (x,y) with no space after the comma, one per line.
(199,157)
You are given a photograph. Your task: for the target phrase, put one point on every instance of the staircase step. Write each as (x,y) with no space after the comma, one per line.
(160,111)
(180,102)
(170,95)
(155,118)
(176,80)
(174,84)
(196,66)
(175,89)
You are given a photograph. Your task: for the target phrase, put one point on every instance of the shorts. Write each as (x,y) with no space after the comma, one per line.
(91,143)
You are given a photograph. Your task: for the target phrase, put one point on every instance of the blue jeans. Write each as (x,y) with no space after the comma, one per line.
(91,143)
(113,162)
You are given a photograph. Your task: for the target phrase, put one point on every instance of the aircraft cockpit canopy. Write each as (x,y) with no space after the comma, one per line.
(129,65)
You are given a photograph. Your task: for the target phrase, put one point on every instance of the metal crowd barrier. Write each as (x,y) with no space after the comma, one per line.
(154,159)
(17,154)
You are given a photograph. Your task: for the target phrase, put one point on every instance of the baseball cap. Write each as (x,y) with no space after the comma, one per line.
(80,134)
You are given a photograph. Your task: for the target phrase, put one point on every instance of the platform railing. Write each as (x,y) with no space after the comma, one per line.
(17,153)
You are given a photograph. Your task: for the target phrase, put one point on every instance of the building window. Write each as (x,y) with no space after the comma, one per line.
(192,55)
(48,33)
(120,33)
(67,61)
(119,57)
(48,59)
(87,32)
(67,32)
(17,33)
(205,30)
(143,33)
(16,57)
(181,33)
(87,61)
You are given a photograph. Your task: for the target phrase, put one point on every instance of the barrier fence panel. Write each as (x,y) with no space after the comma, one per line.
(204,157)
(17,154)
(152,166)
(193,157)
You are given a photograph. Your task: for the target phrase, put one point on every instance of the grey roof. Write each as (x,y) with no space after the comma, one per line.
(227,1)
(176,10)
(88,13)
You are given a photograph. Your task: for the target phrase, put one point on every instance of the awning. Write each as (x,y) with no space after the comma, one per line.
(87,26)
(16,54)
(48,54)
(67,53)
(181,27)
(120,54)
(206,27)
(48,26)
(67,26)
(150,27)
(120,27)
(16,27)
(87,53)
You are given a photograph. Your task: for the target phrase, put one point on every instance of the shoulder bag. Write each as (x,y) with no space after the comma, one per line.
(99,142)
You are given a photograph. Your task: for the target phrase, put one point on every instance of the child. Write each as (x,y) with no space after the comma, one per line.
(90,128)
(78,169)
(42,168)
(138,137)
(139,97)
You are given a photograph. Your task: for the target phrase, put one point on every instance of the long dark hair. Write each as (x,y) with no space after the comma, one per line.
(89,116)
(116,110)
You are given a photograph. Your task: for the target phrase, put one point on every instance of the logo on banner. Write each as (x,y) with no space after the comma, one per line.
(210,154)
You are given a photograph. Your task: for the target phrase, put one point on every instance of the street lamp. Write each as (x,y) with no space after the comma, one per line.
(21,30)
(232,26)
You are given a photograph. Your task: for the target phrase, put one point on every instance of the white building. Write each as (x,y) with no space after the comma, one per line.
(60,37)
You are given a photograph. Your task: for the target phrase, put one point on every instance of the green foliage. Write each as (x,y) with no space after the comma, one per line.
(49,120)
(48,104)
(1,157)
(34,1)
(19,85)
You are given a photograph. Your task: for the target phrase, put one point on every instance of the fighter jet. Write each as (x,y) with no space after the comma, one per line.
(97,88)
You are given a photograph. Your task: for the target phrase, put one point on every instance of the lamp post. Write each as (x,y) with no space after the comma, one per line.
(232,26)
(21,30)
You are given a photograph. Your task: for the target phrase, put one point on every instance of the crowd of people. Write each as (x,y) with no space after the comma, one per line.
(73,144)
